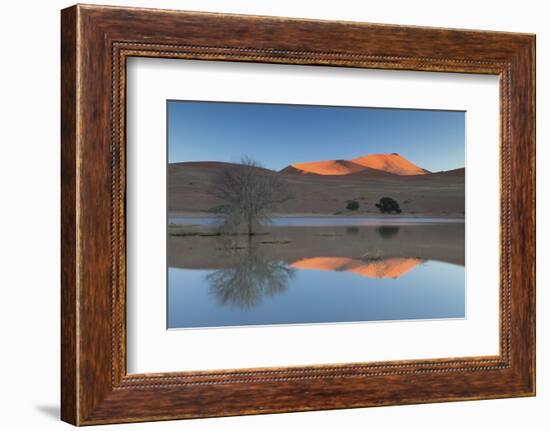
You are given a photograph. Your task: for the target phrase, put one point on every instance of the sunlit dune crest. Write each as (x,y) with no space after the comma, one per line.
(329,167)
(393,163)
(383,268)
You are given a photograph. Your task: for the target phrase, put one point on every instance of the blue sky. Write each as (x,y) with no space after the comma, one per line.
(278,135)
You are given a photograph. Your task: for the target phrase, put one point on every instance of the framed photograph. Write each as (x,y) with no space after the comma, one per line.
(264,215)
(258,235)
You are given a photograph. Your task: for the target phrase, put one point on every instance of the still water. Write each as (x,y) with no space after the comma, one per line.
(433,290)
(320,220)
(296,275)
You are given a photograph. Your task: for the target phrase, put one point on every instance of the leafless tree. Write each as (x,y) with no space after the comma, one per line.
(250,194)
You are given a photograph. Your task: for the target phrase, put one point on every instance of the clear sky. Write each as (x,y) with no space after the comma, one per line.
(278,135)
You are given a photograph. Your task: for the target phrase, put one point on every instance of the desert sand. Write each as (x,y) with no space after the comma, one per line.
(433,194)
(392,163)
(389,247)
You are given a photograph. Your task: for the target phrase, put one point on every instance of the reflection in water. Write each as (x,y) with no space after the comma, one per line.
(373,268)
(352,230)
(387,231)
(251,277)
(315,274)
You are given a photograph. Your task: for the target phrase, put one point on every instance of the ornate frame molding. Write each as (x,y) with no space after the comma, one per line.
(96,41)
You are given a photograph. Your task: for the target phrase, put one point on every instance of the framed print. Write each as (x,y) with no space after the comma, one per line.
(268,215)
(293,232)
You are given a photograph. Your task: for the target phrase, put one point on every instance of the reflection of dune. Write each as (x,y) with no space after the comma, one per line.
(383,268)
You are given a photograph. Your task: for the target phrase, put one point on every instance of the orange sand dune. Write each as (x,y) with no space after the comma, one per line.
(329,167)
(389,163)
(393,163)
(384,268)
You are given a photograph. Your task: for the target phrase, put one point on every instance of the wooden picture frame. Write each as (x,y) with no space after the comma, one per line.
(95,43)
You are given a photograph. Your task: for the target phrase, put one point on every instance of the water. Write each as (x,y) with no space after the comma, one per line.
(325,272)
(321,220)
(433,291)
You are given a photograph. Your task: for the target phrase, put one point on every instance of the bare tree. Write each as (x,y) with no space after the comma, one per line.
(250,194)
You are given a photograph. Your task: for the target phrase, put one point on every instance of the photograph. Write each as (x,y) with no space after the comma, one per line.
(281,214)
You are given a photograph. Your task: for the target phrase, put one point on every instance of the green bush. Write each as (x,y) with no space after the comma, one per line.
(388,205)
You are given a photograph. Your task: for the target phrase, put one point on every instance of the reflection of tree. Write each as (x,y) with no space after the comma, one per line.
(352,230)
(387,232)
(251,277)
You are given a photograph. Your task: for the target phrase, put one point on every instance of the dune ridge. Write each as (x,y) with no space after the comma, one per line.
(393,163)
(328,167)
(390,163)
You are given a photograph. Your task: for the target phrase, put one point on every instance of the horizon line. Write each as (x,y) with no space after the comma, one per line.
(279,170)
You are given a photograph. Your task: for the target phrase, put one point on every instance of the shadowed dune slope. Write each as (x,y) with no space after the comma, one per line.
(392,163)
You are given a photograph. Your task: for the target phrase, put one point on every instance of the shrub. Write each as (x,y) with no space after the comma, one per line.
(388,205)
(352,205)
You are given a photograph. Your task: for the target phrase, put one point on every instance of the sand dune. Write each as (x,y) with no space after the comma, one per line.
(390,163)
(393,163)
(384,268)
(325,167)
(453,173)
(441,193)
